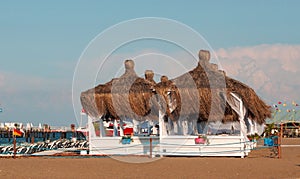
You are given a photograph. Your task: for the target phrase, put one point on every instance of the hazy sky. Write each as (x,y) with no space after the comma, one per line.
(257,42)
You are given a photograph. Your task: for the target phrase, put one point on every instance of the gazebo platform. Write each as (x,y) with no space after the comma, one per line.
(216,145)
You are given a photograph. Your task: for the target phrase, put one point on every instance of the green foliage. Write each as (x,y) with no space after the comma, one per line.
(268,129)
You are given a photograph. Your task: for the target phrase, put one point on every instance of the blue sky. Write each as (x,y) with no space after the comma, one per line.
(41,42)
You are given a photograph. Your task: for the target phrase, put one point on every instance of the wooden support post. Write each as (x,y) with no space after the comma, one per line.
(161,131)
(115,133)
(280,140)
(15,147)
(121,127)
(102,128)
(150,147)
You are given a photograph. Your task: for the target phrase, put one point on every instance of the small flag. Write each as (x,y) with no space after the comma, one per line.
(1,110)
(279,102)
(17,132)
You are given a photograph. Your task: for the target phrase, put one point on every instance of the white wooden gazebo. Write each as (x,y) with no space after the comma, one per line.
(164,144)
(187,109)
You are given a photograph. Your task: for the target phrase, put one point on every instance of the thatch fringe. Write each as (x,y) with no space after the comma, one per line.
(258,110)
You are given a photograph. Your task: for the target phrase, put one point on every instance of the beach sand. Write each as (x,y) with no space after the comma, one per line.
(258,164)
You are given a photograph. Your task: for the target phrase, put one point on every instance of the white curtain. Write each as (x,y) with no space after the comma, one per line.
(237,105)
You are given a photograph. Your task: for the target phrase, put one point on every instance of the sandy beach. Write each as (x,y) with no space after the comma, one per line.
(258,164)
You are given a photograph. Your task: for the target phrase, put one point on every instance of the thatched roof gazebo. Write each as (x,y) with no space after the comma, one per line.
(207,94)
(182,107)
(202,94)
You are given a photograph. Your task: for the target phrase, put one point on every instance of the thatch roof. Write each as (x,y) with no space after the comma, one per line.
(203,93)
(128,96)
(200,93)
